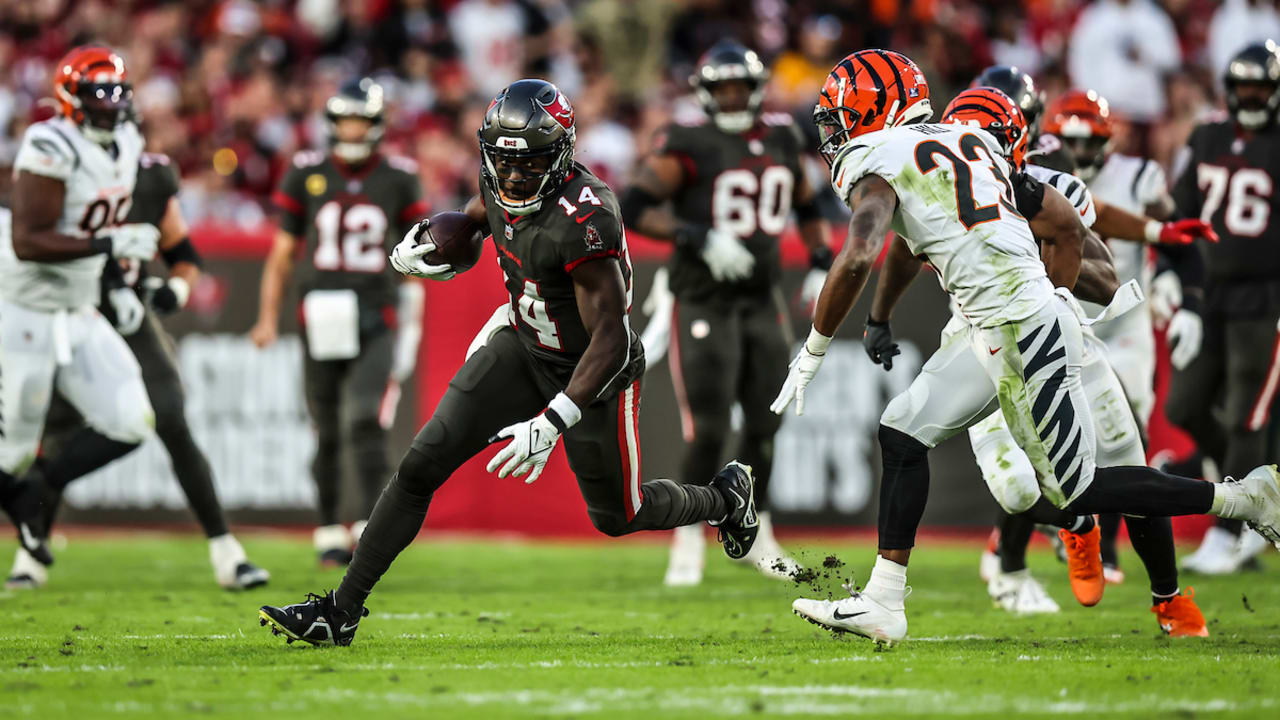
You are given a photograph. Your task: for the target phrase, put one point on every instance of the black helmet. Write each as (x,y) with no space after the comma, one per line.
(526,140)
(1019,86)
(362,98)
(1258,63)
(730,60)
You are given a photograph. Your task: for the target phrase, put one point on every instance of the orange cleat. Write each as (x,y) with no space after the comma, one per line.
(1084,565)
(1180,617)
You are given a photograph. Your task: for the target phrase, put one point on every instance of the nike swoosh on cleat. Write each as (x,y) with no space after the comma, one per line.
(28,540)
(837,615)
(349,628)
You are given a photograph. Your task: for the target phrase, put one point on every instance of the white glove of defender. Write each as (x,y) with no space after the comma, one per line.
(1186,332)
(801,372)
(137,241)
(500,318)
(128,308)
(409,257)
(726,257)
(1165,297)
(811,288)
(531,444)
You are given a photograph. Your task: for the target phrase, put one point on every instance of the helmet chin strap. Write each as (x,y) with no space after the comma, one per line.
(352,151)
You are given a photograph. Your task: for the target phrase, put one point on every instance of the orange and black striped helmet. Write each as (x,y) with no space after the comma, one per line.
(1078,114)
(869,90)
(997,113)
(93,90)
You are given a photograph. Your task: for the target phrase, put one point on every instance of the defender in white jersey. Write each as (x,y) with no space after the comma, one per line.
(946,191)
(74,176)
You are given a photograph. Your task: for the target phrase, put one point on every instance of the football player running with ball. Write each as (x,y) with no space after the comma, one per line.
(946,190)
(733,182)
(566,366)
(361,321)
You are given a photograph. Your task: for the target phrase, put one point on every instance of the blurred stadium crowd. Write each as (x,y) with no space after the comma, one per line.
(231,88)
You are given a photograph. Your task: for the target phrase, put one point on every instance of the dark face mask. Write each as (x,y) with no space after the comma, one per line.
(107,105)
(521,178)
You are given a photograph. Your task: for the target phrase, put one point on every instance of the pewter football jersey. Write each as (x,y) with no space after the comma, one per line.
(1129,183)
(955,210)
(99,189)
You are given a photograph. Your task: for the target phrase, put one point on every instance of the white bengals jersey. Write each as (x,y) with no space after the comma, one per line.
(955,209)
(1071,187)
(99,191)
(1129,183)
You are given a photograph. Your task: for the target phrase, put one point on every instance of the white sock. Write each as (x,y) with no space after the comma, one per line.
(1229,501)
(888,584)
(226,549)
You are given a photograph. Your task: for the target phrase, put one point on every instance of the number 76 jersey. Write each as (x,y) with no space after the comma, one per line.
(956,211)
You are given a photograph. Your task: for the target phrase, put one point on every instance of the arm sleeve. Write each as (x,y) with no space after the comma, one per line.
(1028,194)
(1077,193)
(593,239)
(44,151)
(1187,262)
(288,198)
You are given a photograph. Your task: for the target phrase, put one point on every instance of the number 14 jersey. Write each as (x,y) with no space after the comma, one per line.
(955,211)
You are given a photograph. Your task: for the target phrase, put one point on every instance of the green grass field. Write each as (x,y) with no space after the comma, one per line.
(136,628)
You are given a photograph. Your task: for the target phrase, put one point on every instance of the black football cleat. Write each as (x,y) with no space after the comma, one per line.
(316,620)
(23,504)
(738,529)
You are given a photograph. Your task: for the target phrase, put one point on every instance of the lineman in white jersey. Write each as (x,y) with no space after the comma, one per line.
(945,190)
(74,175)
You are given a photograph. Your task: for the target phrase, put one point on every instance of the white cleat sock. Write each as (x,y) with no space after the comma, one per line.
(888,584)
(27,573)
(332,537)
(225,554)
(687,558)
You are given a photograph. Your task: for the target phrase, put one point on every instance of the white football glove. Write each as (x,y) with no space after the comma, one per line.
(1165,297)
(128,308)
(409,256)
(726,257)
(811,288)
(801,373)
(531,444)
(135,240)
(1186,332)
(500,318)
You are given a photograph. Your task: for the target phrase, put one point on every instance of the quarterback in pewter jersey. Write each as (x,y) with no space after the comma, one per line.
(74,180)
(564,364)
(946,190)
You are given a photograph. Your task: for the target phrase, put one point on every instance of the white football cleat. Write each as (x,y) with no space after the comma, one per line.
(858,614)
(1020,594)
(1250,545)
(989,563)
(1215,556)
(1262,487)
(687,558)
(768,556)
(27,573)
(231,568)
(1112,575)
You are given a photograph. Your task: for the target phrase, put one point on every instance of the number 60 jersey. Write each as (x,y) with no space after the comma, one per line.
(99,189)
(956,211)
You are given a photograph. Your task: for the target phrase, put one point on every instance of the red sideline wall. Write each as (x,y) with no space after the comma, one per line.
(474,500)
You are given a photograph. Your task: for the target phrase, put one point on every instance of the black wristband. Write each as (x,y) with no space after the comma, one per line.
(692,237)
(184,251)
(874,323)
(100,244)
(554,418)
(820,258)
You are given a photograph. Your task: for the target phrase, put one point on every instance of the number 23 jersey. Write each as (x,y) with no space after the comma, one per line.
(955,210)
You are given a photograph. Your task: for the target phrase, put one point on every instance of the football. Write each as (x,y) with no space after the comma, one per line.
(459,240)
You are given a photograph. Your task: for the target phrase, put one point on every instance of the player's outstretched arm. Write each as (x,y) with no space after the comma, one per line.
(873,202)
(602,303)
(900,268)
(1115,222)
(37,207)
(275,275)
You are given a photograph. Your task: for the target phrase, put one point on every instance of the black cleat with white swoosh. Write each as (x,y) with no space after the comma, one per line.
(738,529)
(316,620)
(23,502)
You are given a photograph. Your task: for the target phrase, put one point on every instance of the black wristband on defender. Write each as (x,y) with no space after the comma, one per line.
(184,251)
(821,258)
(100,244)
(691,236)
